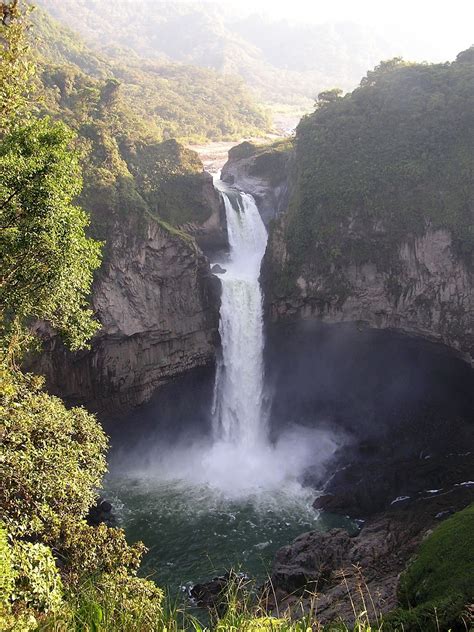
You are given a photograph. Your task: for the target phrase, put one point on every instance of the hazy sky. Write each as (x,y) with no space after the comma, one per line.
(447,27)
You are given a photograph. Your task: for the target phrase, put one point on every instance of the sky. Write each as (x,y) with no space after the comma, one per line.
(442,28)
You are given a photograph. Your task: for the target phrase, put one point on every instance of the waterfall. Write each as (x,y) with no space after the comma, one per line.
(238,392)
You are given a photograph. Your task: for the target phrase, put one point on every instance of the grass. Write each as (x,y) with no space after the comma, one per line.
(440,579)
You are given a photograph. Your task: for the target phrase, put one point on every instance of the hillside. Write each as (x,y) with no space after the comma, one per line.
(173,100)
(282,63)
(384,162)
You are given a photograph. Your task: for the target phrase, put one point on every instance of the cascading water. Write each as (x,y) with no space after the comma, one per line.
(237,409)
(208,503)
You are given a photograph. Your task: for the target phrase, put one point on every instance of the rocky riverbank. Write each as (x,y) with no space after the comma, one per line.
(342,576)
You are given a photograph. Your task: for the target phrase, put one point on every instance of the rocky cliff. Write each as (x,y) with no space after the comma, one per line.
(376,205)
(428,290)
(158,305)
(262,171)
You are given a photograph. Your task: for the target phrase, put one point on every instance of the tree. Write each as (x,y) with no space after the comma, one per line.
(328,96)
(46,259)
(16,67)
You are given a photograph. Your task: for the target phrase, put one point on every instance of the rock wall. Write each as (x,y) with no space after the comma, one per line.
(426,291)
(263,174)
(159,307)
(211,235)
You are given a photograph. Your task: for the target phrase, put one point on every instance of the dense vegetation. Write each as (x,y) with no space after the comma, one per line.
(383,163)
(171,100)
(439,578)
(282,63)
(126,114)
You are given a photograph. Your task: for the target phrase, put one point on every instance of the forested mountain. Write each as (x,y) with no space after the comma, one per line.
(282,63)
(169,100)
(127,114)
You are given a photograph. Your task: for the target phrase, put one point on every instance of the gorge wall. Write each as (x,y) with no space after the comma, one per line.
(374,206)
(429,295)
(427,291)
(158,304)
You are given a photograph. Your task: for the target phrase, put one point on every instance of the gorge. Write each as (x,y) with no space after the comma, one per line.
(253,367)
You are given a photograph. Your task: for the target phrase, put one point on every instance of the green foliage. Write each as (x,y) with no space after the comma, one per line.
(168,176)
(38,585)
(117,602)
(52,458)
(282,61)
(437,585)
(7,574)
(16,66)
(47,262)
(381,164)
(129,170)
(86,551)
(167,100)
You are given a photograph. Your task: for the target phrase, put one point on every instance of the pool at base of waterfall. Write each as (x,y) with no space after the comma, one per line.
(194,532)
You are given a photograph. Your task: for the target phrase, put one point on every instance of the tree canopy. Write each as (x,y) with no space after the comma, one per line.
(47,262)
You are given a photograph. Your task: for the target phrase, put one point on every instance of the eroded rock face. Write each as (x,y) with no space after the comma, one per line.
(159,307)
(428,292)
(211,235)
(264,176)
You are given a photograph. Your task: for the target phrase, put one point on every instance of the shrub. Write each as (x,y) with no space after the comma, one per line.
(37,582)
(52,458)
(7,574)
(87,551)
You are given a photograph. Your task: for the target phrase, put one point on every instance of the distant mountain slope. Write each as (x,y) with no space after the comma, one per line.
(282,63)
(174,100)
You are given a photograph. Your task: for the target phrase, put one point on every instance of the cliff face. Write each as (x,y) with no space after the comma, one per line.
(262,172)
(427,291)
(377,223)
(210,235)
(417,282)
(158,305)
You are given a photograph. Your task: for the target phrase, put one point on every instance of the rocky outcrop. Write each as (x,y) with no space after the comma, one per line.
(341,575)
(261,171)
(210,235)
(158,305)
(427,291)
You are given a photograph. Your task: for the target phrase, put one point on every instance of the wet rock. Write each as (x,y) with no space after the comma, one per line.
(101,513)
(212,594)
(338,574)
(364,488)
(217,269)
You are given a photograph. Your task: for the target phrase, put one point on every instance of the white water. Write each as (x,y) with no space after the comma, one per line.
(237,410)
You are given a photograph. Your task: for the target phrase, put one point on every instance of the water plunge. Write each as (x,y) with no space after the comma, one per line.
(238,459)
(237,408)
(204,503)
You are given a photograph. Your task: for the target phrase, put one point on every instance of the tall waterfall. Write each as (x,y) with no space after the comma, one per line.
(238,392)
